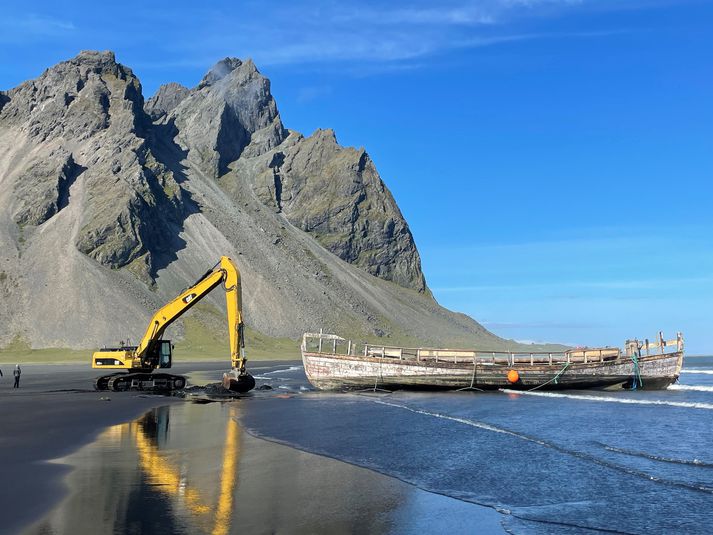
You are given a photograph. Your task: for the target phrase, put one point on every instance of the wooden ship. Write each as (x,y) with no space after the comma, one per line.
(335,363)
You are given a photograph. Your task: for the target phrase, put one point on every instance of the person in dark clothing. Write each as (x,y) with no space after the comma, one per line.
(17,372)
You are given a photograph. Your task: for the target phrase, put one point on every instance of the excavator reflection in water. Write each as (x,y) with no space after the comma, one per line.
(154,353)
(170,479)
(165,472)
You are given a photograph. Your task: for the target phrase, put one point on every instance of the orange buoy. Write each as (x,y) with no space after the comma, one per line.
(513,376)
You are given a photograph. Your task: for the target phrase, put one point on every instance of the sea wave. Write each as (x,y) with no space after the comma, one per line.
(644,455)
(701,372)
(692,388)
(611,399)
(557,447)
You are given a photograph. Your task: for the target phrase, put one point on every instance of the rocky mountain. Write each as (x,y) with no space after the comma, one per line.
(110,205)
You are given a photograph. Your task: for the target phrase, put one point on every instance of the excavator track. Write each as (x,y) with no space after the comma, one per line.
(143,381)
(102,383)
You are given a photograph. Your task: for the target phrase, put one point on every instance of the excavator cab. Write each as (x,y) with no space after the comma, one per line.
(160,354)
(164,354)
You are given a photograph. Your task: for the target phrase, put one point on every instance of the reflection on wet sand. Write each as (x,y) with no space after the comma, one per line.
(189,468)
(140,475)
(160,471)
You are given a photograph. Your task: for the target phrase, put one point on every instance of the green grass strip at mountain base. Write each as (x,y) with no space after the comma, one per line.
(199,344)
(21,353)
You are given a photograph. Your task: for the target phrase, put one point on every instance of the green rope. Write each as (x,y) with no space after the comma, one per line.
(554,379)
(637,372)
(566,365)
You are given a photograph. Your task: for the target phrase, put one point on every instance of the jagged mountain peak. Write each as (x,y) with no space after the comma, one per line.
(77,99)
(325,134)
(100,58)
(166,98)
(230,114)
(223,68)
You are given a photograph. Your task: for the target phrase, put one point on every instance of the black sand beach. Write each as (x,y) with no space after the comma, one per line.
(57,415)
(54,412)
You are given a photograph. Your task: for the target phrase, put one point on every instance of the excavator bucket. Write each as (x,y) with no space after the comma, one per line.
(236,382)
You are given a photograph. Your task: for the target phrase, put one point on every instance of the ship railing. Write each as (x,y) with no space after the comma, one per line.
(336,345)
(646,347)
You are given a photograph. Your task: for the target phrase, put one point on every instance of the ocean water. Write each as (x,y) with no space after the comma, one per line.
(566,462)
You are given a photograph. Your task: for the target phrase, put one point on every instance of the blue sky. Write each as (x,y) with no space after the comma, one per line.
(554,158)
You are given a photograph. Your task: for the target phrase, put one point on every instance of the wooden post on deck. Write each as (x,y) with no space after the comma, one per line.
(349,347)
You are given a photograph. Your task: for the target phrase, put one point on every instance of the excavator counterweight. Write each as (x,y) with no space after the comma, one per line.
(154,353)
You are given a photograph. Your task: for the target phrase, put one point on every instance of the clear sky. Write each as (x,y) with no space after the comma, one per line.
(554,158)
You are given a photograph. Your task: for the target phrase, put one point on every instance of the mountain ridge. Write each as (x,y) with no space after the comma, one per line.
(117,203)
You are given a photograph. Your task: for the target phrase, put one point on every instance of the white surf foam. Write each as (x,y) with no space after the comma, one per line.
(611,399)
(265,376)
(701,372)
(692,388)
(284,370)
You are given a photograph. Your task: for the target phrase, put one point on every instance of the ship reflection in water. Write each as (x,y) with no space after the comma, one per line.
(189,468)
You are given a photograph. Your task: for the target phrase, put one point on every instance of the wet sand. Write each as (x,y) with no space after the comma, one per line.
(56,415)
(53,413)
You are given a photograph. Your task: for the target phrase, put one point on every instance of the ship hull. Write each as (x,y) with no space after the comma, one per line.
(328,371)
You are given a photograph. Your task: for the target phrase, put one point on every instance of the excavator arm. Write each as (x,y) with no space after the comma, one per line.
(225,272)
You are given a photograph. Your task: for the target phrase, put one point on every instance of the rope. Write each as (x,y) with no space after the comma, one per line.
(637,372)
(566,365)
(472,382)
(376,381)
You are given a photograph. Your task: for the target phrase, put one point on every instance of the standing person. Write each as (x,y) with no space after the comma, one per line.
(17,372)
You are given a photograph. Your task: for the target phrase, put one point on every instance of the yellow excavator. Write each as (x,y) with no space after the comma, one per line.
(154,353)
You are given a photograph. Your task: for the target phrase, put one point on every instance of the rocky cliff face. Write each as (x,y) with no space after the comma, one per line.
(336,194)
(115,205)
(85,117)
(230,124)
